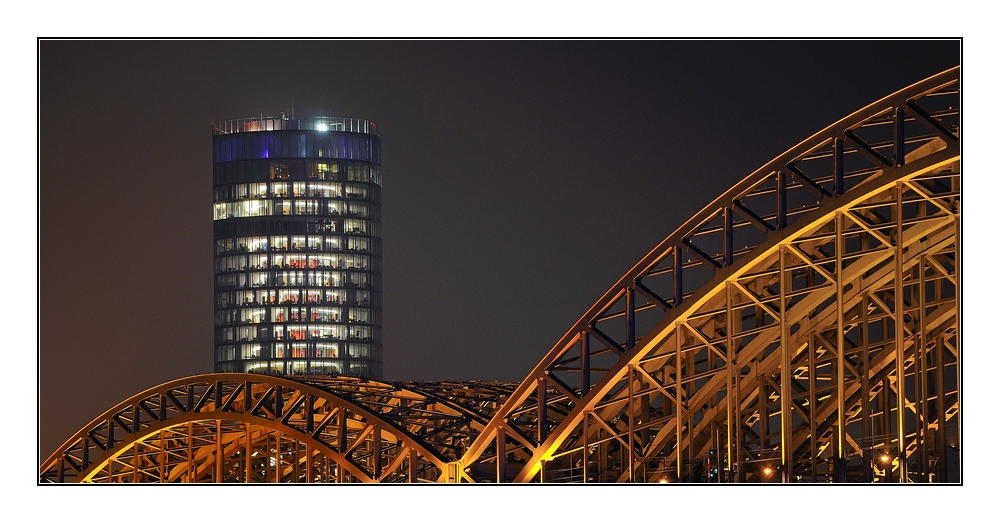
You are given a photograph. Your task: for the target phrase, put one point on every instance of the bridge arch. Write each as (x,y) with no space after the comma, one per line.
(801,327)
(255,428)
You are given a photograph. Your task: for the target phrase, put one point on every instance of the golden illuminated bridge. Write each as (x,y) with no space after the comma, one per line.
(803,327)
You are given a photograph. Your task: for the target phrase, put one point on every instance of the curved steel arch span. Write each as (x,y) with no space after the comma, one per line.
(802,327)
(252,428)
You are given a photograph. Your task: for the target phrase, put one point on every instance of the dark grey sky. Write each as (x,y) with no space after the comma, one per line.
(521,180)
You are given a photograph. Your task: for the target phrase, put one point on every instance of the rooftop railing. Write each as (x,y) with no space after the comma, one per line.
(283,123)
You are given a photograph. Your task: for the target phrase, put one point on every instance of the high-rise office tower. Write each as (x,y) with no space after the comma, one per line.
(298,254)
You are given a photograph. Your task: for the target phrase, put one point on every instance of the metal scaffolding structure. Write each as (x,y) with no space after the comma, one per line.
(803,327)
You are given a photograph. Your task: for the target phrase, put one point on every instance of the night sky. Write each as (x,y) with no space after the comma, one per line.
(521,179)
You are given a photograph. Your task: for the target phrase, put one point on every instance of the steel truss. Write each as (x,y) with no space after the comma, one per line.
(248,428)
(802,327)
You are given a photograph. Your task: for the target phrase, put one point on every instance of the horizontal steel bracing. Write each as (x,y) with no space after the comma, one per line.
(816,341)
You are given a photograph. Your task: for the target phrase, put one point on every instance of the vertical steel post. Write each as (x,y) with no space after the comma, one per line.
(218,395)
(900,342)
(111,434)
(813,433)
(296,454)
(584,363)
(786,375)
(377,452)
(899,138)
(310,469)
(678,401)
(247,449)
(602,461)
(247,396)
(412,465)
(136,462)
(958,338)
(278,403)
(727,217)
(838,166)
(629,318)
(190,453)
(921,359)
(763,415)
(730,368)
(941,433)
(218,451)
(501,455)
(867,435)
(586,447)
(630,410)
(737,464)
(689,420)
(886,428)
(678,277)
(782,210)
(543,426)
(310,423)
(162,466)
(644,418)
(841,375)
(342,430)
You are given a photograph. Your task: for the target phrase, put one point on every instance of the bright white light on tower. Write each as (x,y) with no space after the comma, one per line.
(321,127)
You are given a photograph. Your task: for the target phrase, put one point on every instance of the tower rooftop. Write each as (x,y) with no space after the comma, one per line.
(285,123)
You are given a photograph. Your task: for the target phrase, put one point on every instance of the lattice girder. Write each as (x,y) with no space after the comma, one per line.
(812,270)
(246,428)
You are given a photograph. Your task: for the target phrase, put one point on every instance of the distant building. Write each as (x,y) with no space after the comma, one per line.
(298,254)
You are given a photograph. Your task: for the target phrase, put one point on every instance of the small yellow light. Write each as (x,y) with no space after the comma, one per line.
(885,458)
(664,480)
(767,470)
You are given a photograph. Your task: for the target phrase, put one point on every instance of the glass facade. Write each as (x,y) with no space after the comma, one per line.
(298,251)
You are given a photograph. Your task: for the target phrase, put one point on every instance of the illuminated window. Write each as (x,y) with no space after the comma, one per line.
(279,190)
(279,171)
(355,226)
(279,243)
(324,171)
(357,173)
(355,191)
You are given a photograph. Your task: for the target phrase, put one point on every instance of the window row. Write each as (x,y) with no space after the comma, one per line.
(293,332)
(261,171)
(250,208)
(296,144)
(291,261)
(360,297)
(293,315)
(261,191)
(317,349)
(292,243)
(267,225)
(361,368)
(244,280)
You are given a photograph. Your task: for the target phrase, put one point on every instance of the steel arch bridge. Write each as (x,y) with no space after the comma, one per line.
(266,429)
(804,326)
